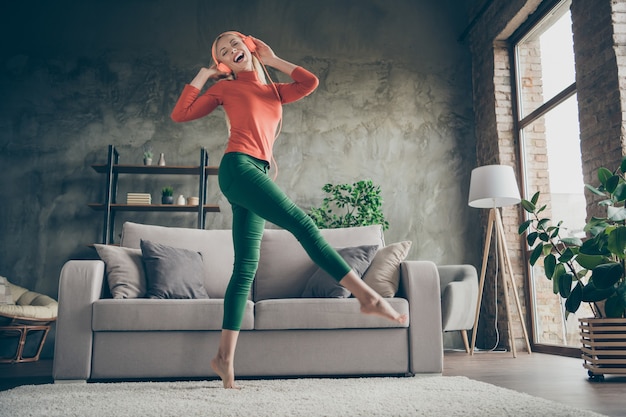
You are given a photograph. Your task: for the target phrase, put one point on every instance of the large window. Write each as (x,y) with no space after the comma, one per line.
(547,119)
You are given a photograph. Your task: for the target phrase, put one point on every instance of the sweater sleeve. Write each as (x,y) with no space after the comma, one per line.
(304,83)
(191,106)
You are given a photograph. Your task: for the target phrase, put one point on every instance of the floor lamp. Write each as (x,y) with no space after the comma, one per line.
(492,187)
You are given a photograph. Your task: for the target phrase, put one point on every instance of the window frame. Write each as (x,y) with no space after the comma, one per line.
(543,11)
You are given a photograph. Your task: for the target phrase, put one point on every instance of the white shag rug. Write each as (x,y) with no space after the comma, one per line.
(417,396)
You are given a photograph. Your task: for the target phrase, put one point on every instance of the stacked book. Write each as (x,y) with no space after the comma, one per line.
(138,198)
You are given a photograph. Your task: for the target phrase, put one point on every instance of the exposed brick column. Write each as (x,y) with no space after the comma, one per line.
(599,75)
(496,144)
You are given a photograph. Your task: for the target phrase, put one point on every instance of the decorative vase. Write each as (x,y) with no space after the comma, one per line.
(162,159)
(167,199)
(180,200)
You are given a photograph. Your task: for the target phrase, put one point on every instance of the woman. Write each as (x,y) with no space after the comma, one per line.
(253,112)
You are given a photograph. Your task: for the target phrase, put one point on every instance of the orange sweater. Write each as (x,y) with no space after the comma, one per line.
(253,108)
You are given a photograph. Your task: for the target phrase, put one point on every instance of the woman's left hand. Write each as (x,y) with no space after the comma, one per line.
(263,50)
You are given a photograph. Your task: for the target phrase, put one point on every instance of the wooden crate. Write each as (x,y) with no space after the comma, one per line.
(603,346)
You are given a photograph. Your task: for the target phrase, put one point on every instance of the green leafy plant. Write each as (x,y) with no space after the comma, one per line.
(350,205)
(167,191)
(592,270)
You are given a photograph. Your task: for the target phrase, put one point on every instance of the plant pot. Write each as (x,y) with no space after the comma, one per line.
(147,161)
(603,346)
(169,199)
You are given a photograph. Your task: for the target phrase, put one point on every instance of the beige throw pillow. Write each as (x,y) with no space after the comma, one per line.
(125,272)
(383,275)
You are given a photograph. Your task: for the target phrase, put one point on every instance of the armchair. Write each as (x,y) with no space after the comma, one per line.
(459,295)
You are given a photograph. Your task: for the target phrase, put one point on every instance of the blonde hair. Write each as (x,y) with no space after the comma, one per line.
(256,64)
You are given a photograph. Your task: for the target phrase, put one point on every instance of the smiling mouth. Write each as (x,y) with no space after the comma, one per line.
(239,58)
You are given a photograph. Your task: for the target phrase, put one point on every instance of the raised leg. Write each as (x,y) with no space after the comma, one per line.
(371,301)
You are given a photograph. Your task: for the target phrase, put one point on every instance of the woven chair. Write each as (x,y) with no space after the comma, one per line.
(25,319)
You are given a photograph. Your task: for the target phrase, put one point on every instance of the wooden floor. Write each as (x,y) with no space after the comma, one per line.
(555,378)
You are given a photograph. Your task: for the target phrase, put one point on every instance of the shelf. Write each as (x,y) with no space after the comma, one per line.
(155,169)
(156,207)
(112,169)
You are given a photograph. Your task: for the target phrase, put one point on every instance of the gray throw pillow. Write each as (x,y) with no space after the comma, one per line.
(322,285)
(172,272)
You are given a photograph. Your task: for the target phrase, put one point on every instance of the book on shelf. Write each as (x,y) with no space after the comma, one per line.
(138,198)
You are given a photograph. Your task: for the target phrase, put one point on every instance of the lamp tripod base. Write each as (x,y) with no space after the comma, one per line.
(495,222)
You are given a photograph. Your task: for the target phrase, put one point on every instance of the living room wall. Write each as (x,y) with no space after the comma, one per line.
(394,105)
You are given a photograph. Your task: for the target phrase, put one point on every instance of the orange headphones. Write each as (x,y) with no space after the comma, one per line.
(246,40)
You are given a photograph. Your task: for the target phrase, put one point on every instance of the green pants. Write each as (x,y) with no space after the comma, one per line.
(254,198)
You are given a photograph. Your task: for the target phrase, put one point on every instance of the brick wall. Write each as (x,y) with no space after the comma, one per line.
(497,144)
(600,99)
(599,28)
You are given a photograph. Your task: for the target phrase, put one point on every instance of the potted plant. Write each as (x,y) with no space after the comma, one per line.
(167,195)
(590,270)
(147,156)
(349,205)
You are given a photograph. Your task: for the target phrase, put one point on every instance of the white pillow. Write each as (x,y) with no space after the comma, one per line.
(383,275)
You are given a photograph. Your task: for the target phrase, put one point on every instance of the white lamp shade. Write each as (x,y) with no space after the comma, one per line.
(493,186)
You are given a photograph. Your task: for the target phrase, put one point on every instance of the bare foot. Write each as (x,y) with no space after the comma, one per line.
(225,371)
(380,307)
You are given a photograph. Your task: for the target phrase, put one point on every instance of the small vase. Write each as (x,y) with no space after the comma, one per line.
(181,200)
(167,199)
(162,159)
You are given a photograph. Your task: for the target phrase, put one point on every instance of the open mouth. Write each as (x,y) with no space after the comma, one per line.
(239,57)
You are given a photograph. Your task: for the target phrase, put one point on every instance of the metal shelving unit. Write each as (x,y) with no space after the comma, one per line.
(113,169)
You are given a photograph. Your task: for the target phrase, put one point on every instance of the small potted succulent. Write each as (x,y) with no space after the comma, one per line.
(147,156)
(167,195)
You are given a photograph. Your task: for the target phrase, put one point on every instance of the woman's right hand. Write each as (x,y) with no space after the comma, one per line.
(205,74)
(212,73)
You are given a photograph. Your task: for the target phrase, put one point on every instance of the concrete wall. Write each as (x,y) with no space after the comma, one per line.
(394,104)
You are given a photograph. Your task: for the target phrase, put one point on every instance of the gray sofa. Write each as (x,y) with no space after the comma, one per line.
(283,334)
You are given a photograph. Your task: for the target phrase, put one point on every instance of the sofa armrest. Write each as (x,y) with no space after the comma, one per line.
(459,296)
(80,285)
(420,285)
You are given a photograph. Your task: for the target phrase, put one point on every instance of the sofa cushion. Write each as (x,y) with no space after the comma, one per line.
(321,284)
(141,314)
(284,266)
(383,275)
(124,269)
(172,272)
(321,313)
(215,246)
